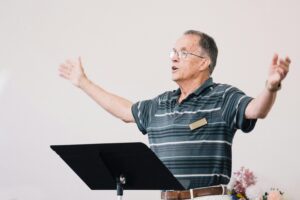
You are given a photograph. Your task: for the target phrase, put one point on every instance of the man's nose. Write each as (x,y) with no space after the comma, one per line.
(175,57)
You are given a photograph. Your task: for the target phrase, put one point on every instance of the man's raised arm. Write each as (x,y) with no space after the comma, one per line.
(262,104)
(119,107)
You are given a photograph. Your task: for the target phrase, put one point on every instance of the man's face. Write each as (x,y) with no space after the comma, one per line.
(188,68)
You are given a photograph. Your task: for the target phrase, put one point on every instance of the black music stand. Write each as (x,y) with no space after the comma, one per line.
(118,166)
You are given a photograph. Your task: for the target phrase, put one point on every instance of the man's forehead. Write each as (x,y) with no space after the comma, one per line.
(189,42)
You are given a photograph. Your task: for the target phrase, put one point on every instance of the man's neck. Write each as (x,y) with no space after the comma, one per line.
(189,86)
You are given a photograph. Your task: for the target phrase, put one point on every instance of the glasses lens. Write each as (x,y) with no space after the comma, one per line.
(183,54)
(172,54)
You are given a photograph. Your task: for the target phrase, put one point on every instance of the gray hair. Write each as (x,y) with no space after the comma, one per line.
(207,43)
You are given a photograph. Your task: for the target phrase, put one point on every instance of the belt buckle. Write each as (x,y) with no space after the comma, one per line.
(191,193)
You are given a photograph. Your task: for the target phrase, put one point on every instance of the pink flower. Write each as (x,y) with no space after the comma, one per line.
(244,178)
(274,195)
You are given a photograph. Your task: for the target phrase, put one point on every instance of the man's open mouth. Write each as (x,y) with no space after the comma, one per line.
(174,68)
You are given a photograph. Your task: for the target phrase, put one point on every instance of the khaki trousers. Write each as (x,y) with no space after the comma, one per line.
(214,197)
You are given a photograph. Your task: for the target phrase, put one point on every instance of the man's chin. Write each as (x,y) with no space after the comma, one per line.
(175,78)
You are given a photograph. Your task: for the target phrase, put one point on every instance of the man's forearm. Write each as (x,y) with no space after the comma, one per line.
(117,106)
(261,105)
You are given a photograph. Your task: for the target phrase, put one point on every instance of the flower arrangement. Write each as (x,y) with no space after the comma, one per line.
(274,194)
(243,187)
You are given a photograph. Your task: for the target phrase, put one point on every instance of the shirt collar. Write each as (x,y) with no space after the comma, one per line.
(209,82)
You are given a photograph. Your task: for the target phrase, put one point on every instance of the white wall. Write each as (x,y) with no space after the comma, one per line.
(125,47)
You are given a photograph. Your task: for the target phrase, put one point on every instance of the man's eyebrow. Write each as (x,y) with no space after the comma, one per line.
(181,49)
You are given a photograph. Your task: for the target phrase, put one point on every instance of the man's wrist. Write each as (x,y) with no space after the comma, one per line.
(273,87)
(83,82)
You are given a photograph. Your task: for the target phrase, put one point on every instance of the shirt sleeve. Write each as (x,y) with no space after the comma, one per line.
(143,111)
(233,109)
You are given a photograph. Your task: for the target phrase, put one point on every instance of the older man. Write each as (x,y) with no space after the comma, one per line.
(191,129)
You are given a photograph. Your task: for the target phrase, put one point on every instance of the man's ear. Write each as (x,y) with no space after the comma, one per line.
(205,64)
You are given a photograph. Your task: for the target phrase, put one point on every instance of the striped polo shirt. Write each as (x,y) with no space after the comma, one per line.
(200,155)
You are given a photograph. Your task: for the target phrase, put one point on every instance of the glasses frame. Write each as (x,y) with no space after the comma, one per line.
(182,54)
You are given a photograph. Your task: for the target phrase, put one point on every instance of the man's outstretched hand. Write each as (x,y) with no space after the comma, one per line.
(73,71)
(279,68)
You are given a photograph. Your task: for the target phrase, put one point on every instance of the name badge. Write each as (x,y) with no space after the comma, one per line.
(198,123)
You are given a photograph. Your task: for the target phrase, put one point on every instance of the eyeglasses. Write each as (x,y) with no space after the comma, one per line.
(182,54)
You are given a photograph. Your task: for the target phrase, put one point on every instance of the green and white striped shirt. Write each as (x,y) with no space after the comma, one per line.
(198,156)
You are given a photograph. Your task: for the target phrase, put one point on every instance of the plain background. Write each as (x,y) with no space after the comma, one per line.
(125,46)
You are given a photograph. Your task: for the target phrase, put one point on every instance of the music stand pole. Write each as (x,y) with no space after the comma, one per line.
(120,182)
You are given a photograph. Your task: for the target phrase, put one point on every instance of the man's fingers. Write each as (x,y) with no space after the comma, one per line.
(65,68)
(71,63)
(71,70)
(288,60)
(281,72)
(275,59)
(283,63)
(63,76)
(64,71)
(79,60)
